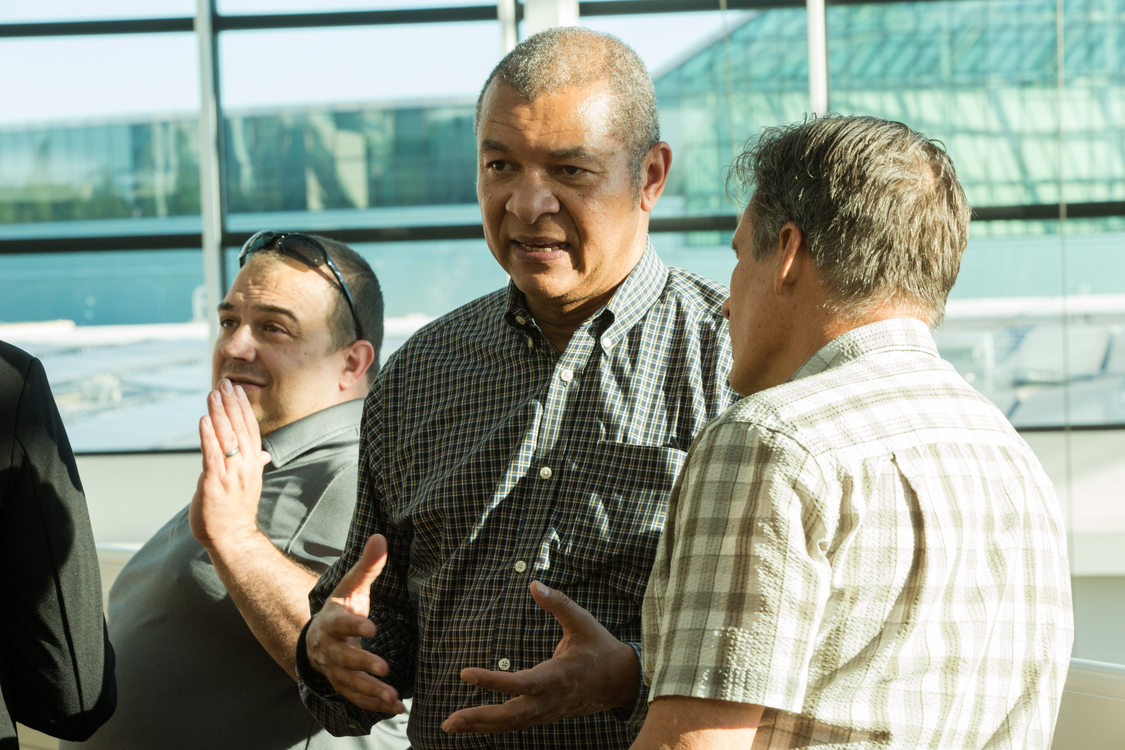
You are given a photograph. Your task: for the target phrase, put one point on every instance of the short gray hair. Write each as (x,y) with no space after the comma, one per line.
(880,206)
(567,57)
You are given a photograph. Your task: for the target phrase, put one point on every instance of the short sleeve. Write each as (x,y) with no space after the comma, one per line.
(741,578)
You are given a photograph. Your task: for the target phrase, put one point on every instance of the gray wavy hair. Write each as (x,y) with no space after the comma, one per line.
(884,215)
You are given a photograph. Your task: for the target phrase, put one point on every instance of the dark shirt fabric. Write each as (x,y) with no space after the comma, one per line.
(489,460)
(56,663)
(191,673)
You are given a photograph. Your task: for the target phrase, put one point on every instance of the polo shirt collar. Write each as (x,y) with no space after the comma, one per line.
(288,442)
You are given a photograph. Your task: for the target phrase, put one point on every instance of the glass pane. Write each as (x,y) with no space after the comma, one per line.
(1036,323)
(705,253)
(979,75)
(1093,102)
(329,139)
(123,339)
(106,146)
(249,7)
(23,11)
(720,77)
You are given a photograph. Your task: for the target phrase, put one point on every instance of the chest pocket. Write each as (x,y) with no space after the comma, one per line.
(610,511)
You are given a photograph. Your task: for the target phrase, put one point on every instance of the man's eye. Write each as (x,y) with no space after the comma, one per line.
(227,323)
(573,171)
(497,165)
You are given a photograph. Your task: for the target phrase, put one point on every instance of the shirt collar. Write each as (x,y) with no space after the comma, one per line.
(896,333)
(286,443)
(637,293)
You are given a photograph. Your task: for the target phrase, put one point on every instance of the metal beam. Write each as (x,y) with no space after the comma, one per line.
(210,161)
(818,56)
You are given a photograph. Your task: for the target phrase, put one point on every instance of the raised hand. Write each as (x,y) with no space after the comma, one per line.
(225,504)
(590,671)
(333,639)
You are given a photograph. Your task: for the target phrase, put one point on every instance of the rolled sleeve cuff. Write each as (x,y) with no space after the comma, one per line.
(635,717)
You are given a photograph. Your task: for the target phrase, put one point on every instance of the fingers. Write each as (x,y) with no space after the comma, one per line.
(334,650)
(573,618)
(370,693)
(522,682)
(336,623)
(357,581)
(354,674)
(209,443)
(218,410)
(518,713)
(249,419)
(234,426)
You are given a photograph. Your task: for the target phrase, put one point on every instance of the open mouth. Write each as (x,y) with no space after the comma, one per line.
(542,246)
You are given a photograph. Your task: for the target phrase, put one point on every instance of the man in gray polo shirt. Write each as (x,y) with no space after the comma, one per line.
(205,617)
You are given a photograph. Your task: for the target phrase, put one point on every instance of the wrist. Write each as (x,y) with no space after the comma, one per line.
(627,671)
(235,545)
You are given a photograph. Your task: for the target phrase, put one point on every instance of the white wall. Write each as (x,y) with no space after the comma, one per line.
(131,495)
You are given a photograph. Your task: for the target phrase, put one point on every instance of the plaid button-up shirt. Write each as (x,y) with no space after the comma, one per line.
(489,459)
(872,552)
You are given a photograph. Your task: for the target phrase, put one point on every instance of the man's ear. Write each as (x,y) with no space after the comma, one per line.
(358,358)
(654,174)
(792,257)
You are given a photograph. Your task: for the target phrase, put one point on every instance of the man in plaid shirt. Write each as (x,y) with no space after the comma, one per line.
(861,552)
(517,454)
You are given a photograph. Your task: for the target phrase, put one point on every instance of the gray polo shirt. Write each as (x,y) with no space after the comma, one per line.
(190,674)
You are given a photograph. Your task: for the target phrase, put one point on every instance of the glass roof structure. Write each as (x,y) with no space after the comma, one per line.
(982,76)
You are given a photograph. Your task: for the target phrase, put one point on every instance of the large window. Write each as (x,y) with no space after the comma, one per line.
(99,140)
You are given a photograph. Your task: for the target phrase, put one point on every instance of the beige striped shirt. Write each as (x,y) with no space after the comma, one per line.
(871,552)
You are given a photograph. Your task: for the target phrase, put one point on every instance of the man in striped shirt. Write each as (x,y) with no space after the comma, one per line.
(517,454)
(861,552)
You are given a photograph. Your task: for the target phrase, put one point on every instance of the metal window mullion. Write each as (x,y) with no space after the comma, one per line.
(210,164)
(818,56)
(509,25)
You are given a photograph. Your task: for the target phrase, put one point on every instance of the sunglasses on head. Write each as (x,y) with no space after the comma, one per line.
(305,249)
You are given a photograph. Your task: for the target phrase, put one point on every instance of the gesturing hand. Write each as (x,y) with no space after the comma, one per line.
(225,505)
(333,639)
(590,671)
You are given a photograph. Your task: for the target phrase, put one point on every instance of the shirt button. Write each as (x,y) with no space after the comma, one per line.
(521,320)
(504,665)
(606,343)
(520,566)
(530,342)
(566,375)
(545,472)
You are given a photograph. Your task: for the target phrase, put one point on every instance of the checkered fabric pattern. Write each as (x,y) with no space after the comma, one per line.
(871,552)
(489,459)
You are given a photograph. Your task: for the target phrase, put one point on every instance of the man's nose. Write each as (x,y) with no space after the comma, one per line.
(532,197)
(239,344)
